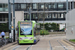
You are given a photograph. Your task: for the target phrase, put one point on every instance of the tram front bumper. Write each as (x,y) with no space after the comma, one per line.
(26,41)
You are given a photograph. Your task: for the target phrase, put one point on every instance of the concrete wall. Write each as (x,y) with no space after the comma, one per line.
(3,1)
(70,24)
(19,16)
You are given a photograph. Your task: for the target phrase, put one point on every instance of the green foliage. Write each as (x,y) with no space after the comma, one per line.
(41,25)
(54,25)
(44,32)
(72,40)
(50,26)
(4,27)
(6,37)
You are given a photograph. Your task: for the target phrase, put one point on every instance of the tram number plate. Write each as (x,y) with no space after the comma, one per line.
(26,38)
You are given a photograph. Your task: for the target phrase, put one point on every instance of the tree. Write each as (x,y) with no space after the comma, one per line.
(43,16)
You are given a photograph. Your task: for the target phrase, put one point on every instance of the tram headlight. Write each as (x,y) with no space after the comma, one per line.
(20,38)
(31,38)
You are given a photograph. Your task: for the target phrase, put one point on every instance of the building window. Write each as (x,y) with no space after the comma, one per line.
(49,15)
(61,15)
(41,6)
(69,5)
(55,15)
(6,18)
(23,6)
(52,5)
(6,7)
(60,5)
(16,6)
(64,15)
(34,16)
(25,16)
(19,6)
(3,17)
(28,16)
(1,9)
(64,7)
(46,6)
(35,6)
(0,17)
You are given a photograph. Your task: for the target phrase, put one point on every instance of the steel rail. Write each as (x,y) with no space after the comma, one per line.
(50,45)
(62,45)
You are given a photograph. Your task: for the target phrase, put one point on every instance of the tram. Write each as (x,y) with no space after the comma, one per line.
(28,32)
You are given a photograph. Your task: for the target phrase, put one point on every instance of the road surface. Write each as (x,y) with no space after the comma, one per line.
(45,43)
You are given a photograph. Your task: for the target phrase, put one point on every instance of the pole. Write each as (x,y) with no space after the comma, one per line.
(72,4)
(67,5)
(13,21)
(9,9)
(30,13)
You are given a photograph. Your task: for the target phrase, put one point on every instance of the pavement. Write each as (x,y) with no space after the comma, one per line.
(71,43)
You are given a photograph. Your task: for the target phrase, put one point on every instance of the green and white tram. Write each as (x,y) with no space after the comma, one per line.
(27,32)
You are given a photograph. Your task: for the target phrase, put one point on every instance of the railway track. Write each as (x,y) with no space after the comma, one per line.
(57,46)
(45,43)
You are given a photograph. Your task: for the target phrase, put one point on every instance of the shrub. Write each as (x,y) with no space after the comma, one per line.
(44,32)
(4,27)
(50,26)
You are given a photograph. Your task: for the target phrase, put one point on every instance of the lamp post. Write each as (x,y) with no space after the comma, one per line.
(13,21)
(73,4)
(9,8)
(67,5)
(30,12)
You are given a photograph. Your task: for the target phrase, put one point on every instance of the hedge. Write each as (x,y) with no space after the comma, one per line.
(50,26)
(44,32)
(4,27)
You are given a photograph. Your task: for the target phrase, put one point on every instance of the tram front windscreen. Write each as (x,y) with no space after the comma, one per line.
(25,28)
